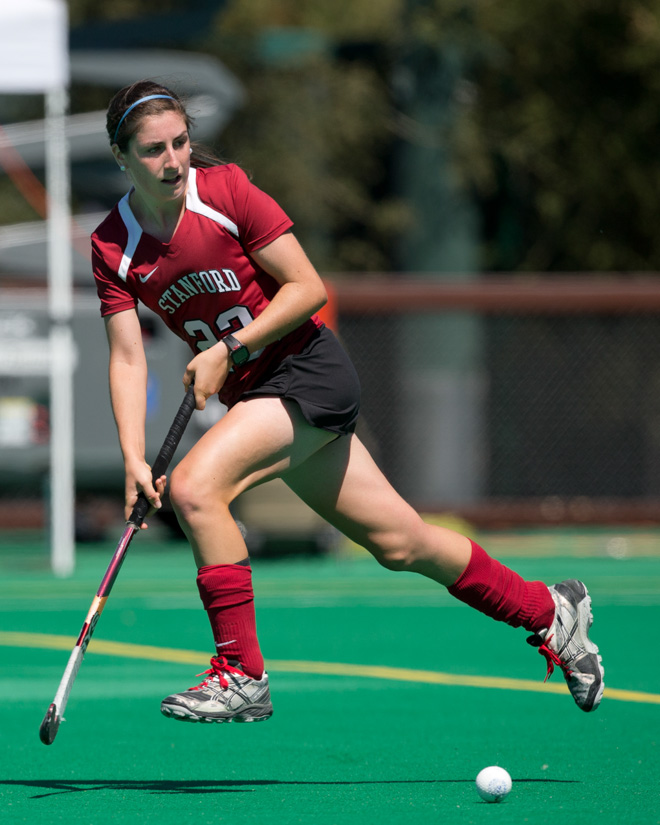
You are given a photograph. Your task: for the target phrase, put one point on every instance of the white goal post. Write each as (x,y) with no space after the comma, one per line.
(34,59)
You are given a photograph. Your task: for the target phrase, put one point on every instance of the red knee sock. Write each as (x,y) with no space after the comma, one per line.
(492,588)
(226,592)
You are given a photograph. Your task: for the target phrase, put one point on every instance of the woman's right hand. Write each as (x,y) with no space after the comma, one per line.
(138,479)
(208,370)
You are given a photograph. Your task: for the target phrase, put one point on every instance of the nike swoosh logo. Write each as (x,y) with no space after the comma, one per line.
(145,278)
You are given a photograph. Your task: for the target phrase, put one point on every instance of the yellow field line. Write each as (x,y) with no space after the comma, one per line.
(398,674)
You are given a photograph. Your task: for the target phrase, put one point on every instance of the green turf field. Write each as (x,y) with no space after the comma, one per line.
(389,698)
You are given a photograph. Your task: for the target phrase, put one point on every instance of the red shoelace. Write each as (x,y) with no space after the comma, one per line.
(219,665)
(552,659)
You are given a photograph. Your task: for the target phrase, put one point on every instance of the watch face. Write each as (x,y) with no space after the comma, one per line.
(238,352)
(240,355)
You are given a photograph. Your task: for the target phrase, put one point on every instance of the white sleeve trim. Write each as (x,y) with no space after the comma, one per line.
(134,235)
(195,204)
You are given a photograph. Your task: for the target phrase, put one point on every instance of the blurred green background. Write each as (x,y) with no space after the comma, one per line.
(443,143)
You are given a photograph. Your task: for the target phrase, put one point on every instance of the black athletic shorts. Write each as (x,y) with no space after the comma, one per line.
(321,380)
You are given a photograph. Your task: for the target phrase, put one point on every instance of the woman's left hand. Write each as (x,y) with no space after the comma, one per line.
(208,370)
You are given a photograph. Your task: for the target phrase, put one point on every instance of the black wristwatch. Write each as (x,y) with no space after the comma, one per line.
(238,352)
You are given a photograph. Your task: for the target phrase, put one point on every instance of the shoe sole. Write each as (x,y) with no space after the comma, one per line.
(181,715)
(585,623)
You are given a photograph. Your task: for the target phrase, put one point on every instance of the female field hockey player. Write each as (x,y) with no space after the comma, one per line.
(214,256)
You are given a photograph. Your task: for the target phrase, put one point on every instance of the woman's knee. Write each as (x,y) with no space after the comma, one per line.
(191,495)
(396,560)
(396,550)
(431,550)
(180,488)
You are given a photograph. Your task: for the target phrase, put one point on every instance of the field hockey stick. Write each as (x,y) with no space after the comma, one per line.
(54,714)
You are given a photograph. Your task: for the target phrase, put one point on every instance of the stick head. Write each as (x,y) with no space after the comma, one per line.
(50,725)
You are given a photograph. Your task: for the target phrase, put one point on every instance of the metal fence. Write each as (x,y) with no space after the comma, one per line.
(511,400)
(507,401)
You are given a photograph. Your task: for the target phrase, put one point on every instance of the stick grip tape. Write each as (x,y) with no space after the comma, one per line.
(166,453)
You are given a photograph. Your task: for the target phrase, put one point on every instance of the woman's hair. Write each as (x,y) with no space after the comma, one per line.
(122,121)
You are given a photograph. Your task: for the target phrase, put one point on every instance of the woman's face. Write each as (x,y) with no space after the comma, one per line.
(158,158)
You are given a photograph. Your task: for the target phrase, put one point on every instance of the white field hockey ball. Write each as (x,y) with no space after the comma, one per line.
(493,784)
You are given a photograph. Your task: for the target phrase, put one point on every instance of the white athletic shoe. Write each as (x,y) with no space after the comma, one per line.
(566,643)
(225,695)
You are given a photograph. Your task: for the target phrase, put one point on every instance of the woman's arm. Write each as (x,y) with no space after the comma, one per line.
(128,394)
(300,295)
(301,292)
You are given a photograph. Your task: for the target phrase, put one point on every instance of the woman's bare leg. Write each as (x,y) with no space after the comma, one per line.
(256,440)
(344,485)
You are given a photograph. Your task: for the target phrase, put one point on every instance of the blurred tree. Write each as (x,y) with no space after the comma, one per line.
(86,11)
(550,126)
(317,129)
(560,142)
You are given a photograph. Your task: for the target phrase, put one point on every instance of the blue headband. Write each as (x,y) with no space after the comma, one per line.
(133,105)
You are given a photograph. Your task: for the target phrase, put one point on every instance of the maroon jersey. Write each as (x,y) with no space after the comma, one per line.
(203,283)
